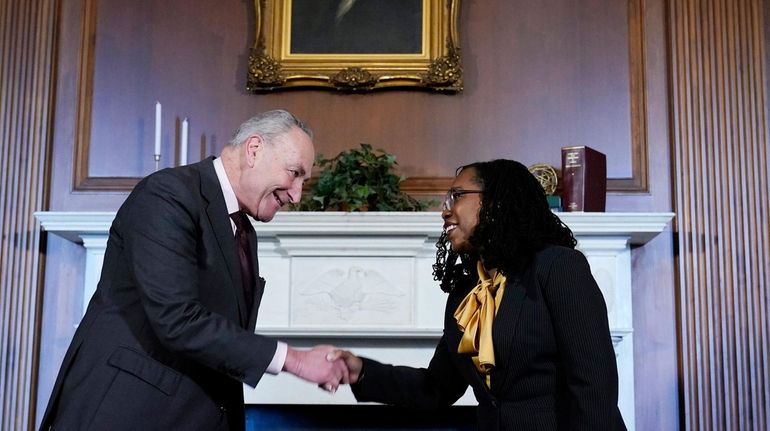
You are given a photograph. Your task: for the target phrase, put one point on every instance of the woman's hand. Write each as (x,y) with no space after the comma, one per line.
(353,362)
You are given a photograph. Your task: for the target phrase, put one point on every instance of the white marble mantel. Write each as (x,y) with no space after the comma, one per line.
(363,281)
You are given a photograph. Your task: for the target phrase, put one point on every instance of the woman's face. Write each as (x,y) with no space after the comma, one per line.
(461,211)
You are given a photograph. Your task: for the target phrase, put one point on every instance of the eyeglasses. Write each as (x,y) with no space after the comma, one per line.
(452,195)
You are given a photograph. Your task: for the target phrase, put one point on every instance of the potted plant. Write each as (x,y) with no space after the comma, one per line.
(360,179)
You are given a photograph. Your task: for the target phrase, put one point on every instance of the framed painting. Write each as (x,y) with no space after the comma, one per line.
(355,45)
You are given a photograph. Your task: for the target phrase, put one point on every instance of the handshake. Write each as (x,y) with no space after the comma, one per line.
(326,365)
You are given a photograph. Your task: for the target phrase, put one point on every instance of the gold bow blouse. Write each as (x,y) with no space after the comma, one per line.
(475,316)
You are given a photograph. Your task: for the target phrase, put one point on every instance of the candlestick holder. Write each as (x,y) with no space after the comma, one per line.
(157,162)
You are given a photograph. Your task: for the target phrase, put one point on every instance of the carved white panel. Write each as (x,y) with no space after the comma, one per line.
(610,262)
(95,245)
(344,292)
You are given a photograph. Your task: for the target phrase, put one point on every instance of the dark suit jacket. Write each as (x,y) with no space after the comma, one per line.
(555,364)
(166,340)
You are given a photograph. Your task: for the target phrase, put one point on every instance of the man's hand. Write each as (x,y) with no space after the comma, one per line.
(354,363)
(315,365)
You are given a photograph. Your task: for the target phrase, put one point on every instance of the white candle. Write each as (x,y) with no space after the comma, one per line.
(183,144)
(157,128)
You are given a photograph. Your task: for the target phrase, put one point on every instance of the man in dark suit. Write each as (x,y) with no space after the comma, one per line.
(168,338)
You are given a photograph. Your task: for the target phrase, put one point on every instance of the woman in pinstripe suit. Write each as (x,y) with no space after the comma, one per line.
(525,322)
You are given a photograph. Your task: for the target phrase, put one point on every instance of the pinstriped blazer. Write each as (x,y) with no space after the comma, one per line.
(555,363)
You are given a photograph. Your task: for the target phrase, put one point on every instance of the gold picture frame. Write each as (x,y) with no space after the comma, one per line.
(284,57)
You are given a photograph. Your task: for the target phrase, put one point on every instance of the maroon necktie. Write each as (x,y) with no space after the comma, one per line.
(244,256)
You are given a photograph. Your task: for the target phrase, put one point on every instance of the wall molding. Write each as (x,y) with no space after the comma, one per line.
(639,182)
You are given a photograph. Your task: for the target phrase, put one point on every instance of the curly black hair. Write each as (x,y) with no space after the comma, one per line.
(515,222)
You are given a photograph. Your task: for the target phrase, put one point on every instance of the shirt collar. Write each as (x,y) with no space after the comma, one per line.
(227,189)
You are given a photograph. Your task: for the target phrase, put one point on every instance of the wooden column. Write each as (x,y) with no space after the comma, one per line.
(27,36)
(721,190)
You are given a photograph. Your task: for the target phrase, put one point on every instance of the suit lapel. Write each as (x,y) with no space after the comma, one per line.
(504,331)
(216,210)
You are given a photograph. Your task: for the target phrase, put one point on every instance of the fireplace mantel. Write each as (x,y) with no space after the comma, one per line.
(363,281)
(638,227)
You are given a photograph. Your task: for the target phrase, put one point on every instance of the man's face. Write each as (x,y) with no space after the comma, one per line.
(274,173)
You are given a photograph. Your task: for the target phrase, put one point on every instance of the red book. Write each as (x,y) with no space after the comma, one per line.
(584,179)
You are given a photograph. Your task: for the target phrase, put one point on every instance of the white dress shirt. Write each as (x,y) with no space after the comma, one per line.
(276,365)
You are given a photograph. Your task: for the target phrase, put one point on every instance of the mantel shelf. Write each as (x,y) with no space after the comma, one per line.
(639,227)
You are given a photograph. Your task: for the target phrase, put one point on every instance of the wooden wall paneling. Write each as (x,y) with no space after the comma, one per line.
(27,36)
(423,184)
(84,96)
(82,181)
(721,200)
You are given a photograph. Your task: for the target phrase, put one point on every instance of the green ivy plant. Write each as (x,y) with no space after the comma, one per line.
(360,179)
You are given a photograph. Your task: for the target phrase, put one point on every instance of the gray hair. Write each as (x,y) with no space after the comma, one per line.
(268,125)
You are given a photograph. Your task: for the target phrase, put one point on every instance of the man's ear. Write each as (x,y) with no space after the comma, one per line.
(252,146)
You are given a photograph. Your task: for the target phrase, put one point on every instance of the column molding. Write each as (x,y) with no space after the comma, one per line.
(28,39)
(719,151)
